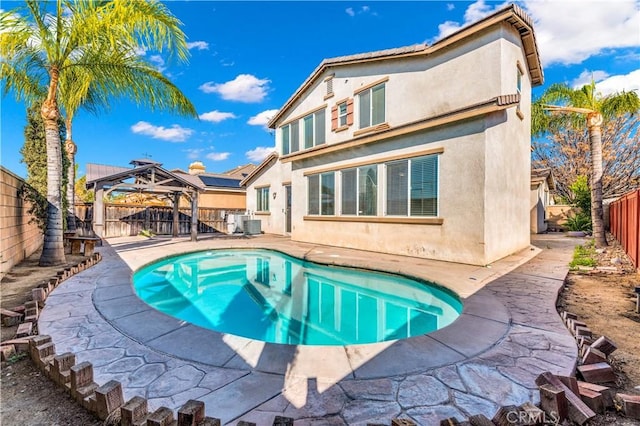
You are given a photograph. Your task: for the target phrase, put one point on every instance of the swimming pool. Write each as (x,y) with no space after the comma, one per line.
(269,296)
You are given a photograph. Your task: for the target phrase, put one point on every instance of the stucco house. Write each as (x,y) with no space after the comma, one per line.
(420,151)
(542,184)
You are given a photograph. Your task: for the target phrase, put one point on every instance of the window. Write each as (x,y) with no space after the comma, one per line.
(342,114)
(290,138)
(372,106)
(285,140)
(313,126)
(321,194)
(412,187)
(424,186)
(350,191)
(368,191)
(262,204)
(398,188)
(519,89)
(360,191)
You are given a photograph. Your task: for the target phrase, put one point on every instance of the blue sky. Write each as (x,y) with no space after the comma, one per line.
(247,58)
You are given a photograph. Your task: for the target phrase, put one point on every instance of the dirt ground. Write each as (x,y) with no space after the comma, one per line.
(604,301)
(28,397)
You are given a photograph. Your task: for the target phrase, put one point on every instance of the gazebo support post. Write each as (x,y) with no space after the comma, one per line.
(176,213)
(194,216)
(98,212)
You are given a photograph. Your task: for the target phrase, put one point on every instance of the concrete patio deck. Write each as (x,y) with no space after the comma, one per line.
(508,333)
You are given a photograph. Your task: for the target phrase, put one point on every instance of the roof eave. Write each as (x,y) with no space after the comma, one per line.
(513,14)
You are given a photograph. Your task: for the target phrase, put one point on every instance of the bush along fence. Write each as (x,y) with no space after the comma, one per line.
(624,219)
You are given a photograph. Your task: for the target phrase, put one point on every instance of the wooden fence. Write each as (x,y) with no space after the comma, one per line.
(624,219)
(129,219)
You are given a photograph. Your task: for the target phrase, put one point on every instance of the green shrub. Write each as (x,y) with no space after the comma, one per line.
(579,222)
(584,255)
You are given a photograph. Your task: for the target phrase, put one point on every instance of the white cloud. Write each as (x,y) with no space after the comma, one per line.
(158,62)
(199,45)
(474,12)
(193,153)
(618,83)
(244,88)
(593,28)
(217,156)
(216,116)
(451,6)
(259,153)
(586,76)
(364,10)
(174,133)
(140,51)
(262,118)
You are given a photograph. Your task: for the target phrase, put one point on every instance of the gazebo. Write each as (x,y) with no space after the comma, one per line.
(146,176)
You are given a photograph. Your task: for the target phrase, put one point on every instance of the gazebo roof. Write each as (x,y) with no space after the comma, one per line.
(146,176)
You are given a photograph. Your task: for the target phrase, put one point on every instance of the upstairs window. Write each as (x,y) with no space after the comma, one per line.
(372,106)
(342,115)
(262,202)
(314,129)
(290,138)
(519,74)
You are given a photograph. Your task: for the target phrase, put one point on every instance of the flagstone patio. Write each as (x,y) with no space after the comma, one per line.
(508,333)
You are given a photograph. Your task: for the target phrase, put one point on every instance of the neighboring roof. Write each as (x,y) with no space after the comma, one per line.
(98,171)
(220,182)
(540,175)
(266,163)
(512,14)
(241,172)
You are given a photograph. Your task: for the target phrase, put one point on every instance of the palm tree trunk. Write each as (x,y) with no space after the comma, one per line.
(595,137)
(53,248)
(70,149)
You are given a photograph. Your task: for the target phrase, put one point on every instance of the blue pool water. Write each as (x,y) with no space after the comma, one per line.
(269,296)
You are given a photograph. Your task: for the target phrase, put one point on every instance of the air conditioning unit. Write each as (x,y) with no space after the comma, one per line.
(252,227)
(237,220)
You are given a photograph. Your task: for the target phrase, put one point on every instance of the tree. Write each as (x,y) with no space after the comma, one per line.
(34,156)
(573,105)
(93,39)
(566,152)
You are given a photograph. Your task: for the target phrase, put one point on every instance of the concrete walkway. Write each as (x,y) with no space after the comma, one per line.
(509,332)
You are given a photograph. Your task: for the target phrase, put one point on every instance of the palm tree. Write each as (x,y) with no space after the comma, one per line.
(574,104)
(97,41)
(80,89)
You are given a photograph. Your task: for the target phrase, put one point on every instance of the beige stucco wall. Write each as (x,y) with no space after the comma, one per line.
(484,171)
(416,88)
(275,178)
(19,237)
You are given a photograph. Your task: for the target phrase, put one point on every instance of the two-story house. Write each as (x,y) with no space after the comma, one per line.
(419,151)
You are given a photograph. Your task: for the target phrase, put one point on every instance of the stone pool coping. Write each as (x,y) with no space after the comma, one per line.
(507,313)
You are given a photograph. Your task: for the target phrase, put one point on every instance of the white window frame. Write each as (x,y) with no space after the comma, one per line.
(408,196)
(262,199)
(369,91)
